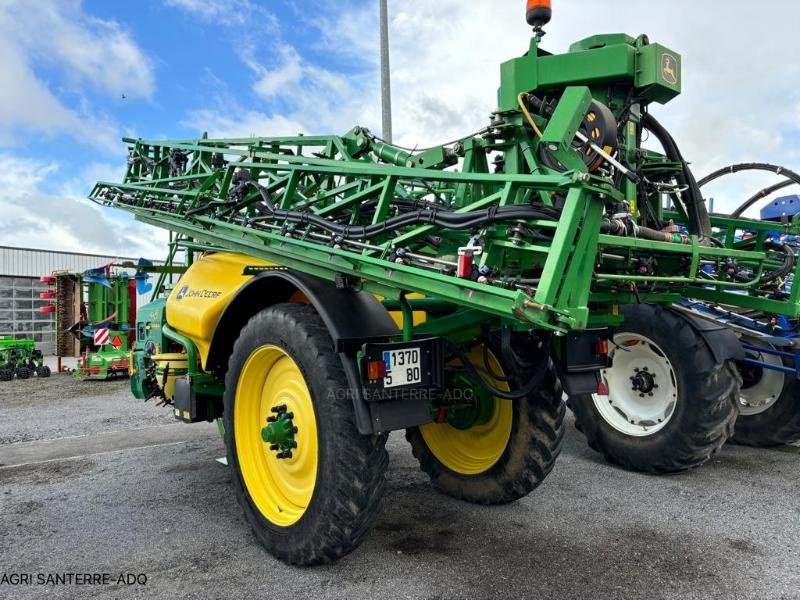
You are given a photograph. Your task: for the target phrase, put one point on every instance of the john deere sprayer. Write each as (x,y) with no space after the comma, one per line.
(341,287)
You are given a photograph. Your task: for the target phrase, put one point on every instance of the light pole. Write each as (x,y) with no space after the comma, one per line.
(386,88)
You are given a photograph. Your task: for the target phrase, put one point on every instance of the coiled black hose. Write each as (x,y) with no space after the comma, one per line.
(777,169)
(766,192)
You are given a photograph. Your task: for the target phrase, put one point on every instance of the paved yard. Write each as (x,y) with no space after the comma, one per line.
(95,482)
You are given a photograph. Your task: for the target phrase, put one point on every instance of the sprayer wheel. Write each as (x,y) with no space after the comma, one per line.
(670,403)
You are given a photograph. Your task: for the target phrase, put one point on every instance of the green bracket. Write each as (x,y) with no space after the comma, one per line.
(560,132)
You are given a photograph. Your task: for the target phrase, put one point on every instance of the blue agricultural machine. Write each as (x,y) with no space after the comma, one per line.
(770,368)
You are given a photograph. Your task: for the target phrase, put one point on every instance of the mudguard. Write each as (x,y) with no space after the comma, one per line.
(352,318)
(722,342)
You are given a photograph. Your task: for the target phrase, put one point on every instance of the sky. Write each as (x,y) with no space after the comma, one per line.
(77,76)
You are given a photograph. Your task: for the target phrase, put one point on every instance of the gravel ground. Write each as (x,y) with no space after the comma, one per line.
(59,406)
(728,530)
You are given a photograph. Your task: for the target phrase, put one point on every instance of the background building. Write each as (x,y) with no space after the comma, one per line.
(20,269)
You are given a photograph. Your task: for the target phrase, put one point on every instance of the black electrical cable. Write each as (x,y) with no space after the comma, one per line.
(487,365)
(777,169)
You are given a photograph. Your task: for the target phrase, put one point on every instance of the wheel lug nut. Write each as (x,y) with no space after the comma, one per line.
(293,444)
(271,419)
(288,415)
(273,447)
(641,395)
(294,429)
(278,409)
(649,393)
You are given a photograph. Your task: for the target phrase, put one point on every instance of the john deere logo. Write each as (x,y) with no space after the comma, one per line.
(185,292)
(669,68)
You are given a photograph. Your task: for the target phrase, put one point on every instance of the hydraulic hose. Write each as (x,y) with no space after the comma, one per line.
(445,219)
(764,193)
(628,228)
(532,384)
(777,169)
(699,222)
(788,261)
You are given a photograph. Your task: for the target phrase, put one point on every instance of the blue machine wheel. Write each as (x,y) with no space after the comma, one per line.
(769,401)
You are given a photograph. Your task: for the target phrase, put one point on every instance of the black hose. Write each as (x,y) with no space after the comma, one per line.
(532,384)
(788,261)
(766,192)
(626,228)
(777,169)
(445,219)
(692,199)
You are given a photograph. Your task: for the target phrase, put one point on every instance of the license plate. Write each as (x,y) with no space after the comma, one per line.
(409,365)
(403,366)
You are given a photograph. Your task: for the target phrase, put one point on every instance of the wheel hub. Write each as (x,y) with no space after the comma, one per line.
(279,433)
(643,381)
(468,404)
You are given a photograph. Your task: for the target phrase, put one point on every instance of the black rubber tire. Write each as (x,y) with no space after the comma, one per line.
(43,371)
(6,375)
(776,426)
(351,466)
(23,373)
(537,432)
(705,410)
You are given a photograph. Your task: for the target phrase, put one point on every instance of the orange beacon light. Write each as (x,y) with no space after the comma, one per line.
(538,13)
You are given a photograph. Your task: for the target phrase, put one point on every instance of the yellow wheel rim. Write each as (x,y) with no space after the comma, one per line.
(281,489)
(475,450)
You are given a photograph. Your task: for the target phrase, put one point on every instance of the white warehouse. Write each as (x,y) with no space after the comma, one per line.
(20,269)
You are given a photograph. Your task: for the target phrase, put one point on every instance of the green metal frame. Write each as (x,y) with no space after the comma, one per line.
(563,275)
(16,353)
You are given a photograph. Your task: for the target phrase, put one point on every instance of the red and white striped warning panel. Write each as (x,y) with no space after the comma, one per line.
(101,337)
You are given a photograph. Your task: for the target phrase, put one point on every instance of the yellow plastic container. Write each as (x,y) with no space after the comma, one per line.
(174,365)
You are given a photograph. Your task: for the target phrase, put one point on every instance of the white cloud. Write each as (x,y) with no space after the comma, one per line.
(240,123)
(33,216)
(313,100)
(230,13)
(88,52)
(283,78)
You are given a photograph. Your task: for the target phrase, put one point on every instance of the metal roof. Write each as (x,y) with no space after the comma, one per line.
(35,262)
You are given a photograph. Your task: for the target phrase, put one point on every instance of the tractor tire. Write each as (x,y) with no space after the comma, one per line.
(670,405)
(769,402)
(317,504)
(43,371)
(500,460)
(23,373)
(6,375)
